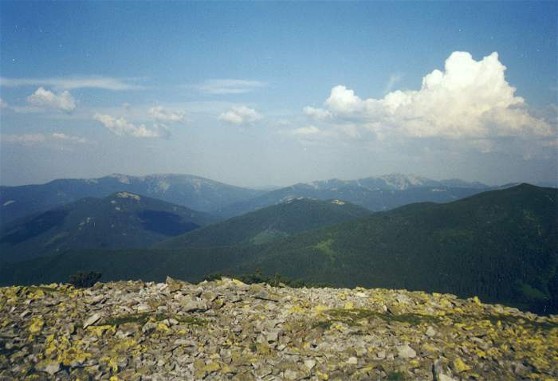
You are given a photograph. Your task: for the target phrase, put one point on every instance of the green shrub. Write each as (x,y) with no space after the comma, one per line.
(84,279)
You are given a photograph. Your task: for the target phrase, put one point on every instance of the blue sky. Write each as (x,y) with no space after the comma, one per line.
(260,93)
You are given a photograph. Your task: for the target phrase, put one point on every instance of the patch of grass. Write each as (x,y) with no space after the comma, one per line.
(191,320)
(325,248)
(322,325)
(144,317)
(46,289)
(396,376)
(351,317)
(139,318)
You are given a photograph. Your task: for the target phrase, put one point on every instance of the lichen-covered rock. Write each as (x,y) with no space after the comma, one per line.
(226,329)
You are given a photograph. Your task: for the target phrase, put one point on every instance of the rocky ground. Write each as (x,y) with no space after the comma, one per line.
(230,330)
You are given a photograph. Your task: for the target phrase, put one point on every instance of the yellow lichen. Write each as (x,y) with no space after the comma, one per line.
(36,325)
(460,366)
(162,327)
(296,309)
(100,330)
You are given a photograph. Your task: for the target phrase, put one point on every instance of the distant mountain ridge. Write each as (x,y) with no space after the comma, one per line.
(193,192)
(121,220)
(223,200)
(374,193)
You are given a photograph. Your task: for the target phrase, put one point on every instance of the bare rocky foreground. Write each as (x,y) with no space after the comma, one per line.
(229,330)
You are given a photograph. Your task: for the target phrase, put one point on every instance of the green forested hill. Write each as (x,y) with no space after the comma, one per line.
(268,224)
(500,245)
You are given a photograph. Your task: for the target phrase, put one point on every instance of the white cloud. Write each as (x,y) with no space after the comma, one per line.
(3,104)
(159,113)
(240,115)
(122,127)
(68,138)
(47,99)
(70,83)
(469,99)
(229,86)
(39,138)
(316,113)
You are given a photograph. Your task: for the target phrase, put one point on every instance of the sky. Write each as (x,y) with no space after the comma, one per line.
(275,93)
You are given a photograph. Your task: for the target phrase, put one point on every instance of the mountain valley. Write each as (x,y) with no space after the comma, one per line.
(499,245)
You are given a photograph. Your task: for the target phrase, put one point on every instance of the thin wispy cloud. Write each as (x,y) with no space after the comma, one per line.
(392,81)
(40,138)
(74,82)
(306,131)
(229,86)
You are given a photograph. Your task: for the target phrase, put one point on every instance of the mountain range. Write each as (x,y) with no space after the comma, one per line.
(191,191)
(499,245)
(374,193)
(225,201)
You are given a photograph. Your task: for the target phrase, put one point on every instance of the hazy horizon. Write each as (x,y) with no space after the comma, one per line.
(260,94)
(264,186)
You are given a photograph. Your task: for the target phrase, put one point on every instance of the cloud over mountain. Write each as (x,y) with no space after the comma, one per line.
(468,99)
(122,127)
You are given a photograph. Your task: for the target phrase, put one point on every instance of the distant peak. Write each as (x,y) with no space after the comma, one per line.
(128,195)
(124,179)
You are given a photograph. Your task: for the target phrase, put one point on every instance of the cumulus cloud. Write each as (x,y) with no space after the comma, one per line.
(159,113)
(47,99)
(468,98)
(239,115)
(229,86)
(75,82)
(122,127)
(3,104)
(39,138)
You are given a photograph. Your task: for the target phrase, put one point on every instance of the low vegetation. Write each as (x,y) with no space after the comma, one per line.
(84,279)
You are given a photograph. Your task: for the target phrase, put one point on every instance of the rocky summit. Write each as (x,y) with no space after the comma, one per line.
(226,329)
